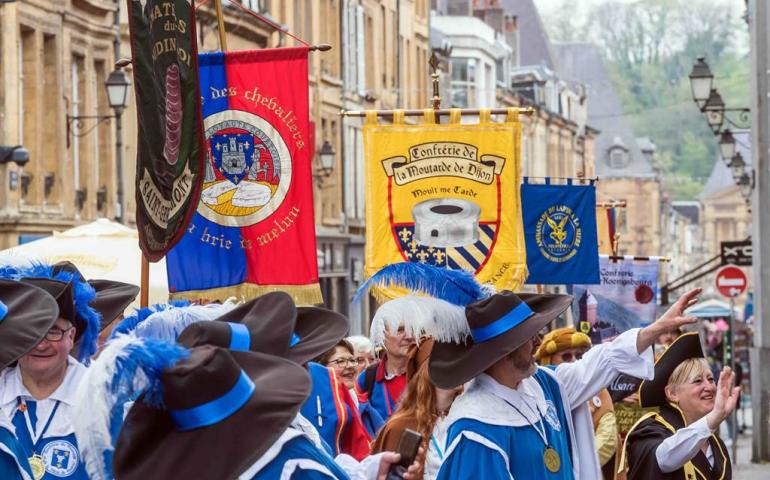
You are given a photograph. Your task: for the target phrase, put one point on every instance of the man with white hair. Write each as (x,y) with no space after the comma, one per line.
(383,382)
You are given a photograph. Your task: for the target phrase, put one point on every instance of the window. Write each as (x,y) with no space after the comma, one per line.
(463,81)
(618,157)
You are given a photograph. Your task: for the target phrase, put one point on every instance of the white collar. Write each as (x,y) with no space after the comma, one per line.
(65,392)
(527,397)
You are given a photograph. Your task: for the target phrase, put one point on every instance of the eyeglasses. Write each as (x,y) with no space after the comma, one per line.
(344,362)
(55,334)
(568,356)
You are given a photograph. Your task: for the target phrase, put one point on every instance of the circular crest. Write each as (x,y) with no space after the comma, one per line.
(248,169)
(558,234)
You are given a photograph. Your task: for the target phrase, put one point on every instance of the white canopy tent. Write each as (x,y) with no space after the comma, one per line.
(101,249)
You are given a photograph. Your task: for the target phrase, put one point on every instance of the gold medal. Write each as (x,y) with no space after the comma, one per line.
(551,460)
(37,464)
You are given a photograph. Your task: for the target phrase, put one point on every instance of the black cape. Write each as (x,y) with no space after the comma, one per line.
(644,439)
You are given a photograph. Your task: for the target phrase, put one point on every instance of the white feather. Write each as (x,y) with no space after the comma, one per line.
(168,324)
(94,406)
(420,316)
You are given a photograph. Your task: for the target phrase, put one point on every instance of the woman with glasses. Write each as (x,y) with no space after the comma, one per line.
(342,360)
(680,441)
(566,345)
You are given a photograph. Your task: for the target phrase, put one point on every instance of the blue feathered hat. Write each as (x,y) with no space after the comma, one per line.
(72,294)
(435,305)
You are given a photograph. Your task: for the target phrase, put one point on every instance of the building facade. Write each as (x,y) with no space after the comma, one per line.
(54,59)
(623,162)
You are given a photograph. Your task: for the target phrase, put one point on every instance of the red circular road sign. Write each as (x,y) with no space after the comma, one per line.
(731,281)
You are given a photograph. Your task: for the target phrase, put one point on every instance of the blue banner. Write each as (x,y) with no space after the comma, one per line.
(560,233)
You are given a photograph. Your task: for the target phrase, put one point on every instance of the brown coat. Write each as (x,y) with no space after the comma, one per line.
(390,434)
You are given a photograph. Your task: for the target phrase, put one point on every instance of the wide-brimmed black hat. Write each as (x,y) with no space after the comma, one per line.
(498,325)
(223,410)
(26,314)
(265,324)
(652,393)
(317,330)
(64,295)
(112,298)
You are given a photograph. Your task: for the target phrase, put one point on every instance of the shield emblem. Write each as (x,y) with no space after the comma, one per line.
(233,154)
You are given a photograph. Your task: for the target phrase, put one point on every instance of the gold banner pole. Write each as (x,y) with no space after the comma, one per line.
(221,25)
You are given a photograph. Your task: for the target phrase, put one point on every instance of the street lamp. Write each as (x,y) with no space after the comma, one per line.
(117,93)
(117,84)
(737,166)
(117,90)
(17,154)
(326,155)
(714,109)
(727,145)
(746,184)
(701,80)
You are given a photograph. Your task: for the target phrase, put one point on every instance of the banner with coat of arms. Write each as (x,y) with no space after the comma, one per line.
(445,195)
(253,230)
(169,154)
(560,232)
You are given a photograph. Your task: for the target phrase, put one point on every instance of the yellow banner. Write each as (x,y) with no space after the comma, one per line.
(446,195)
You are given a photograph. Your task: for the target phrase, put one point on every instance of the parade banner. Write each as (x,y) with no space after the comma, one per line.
(603,230)
(254,229)
(445,195)
(560,233)
(625,299)
(169,154)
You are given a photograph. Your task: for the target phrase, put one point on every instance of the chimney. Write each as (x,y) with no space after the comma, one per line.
(459,7)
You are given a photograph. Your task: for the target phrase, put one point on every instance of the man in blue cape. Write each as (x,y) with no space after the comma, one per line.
(518,420)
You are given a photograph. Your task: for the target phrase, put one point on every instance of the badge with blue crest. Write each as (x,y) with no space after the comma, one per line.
(560,232)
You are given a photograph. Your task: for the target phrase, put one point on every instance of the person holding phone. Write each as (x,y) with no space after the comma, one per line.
(423,409)
(518,420)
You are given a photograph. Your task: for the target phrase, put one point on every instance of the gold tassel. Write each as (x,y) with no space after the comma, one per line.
(302,294)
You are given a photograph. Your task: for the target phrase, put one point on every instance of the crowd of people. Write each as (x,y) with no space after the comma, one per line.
(267,389)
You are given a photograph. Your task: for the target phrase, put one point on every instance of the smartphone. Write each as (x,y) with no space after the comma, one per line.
(408,446)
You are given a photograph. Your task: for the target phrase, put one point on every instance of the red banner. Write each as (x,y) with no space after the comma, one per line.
(254,229)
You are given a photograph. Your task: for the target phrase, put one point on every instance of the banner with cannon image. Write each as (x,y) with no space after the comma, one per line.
(253,230)
(170,156)
(445,195)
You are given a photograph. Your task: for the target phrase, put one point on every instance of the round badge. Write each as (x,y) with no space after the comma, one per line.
(61,458)
(644,294)
(597,402)
(248,169)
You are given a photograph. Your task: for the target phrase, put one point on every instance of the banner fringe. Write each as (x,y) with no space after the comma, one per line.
(302,294)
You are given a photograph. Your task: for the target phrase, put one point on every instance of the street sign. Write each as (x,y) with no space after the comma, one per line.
(731,281)
(736,253)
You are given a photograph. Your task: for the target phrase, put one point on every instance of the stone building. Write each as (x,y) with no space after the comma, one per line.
(56,55)
(54,59)
(624,164)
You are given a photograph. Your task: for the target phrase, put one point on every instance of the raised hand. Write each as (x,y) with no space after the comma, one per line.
(726,399)
(672,320)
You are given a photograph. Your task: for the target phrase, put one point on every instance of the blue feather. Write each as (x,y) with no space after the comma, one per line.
(454,286)
(127,368)
(132,321)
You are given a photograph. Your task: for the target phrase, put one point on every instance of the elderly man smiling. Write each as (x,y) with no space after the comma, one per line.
(37,394)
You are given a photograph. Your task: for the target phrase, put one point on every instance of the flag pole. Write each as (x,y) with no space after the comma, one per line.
(221,25)
(144,296)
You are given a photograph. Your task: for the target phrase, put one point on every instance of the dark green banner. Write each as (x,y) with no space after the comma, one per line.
(170,151)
